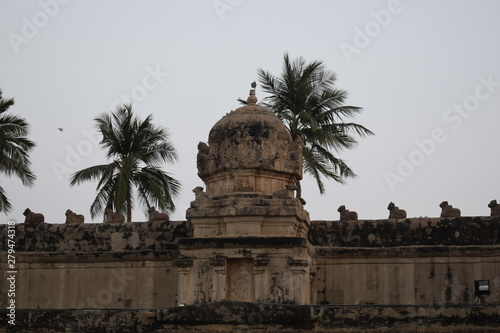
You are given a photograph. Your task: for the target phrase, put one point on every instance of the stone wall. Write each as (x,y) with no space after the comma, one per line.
(124,281)
(137,236)
(256,318)
(359,269)
(96,237)
(417,261)
(406,275)
(63,266)
(464,231)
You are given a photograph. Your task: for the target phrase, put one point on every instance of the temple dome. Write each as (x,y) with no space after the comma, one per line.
(250,138)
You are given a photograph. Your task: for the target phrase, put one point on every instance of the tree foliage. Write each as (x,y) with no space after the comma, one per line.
(136,149)
(305,98)
(14,150)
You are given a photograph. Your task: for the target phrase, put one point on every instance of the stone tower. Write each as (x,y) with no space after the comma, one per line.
(250,232)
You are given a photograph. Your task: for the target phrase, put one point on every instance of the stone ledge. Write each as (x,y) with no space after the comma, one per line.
(335,318)
(235,242)
(408,251)
(261,317)
(74,256)
(81,320)
(183,262)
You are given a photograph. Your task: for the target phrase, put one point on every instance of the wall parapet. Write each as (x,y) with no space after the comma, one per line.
(97,237)
(158,236)
(461,231)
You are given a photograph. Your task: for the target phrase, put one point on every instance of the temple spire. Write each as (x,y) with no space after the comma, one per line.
(252,99)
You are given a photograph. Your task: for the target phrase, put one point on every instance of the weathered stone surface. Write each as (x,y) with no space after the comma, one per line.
(249,137)
(241,314)
(92,237)
(250,168)
(447,210)
(155,215)
(81,321)
(495,208)
(456,247)
(395,212)
(249,150)
(32,216)
(241,242)
(411,232)
(253,269)
(346,215)
(73,218)
(419,275)
(247,214)
(239,317)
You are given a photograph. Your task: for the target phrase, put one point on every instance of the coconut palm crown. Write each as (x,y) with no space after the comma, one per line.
(136,149)
(305,98)
(14,150)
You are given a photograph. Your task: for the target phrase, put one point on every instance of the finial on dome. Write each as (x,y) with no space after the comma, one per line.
(252,99)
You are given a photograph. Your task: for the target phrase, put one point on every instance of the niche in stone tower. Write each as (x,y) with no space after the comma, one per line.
(240,280)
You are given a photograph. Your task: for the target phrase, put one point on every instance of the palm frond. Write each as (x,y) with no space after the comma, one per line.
(105,199)
(306,99)
(5,205)
(137,148)
(14,149)
(96,172)
(157,188)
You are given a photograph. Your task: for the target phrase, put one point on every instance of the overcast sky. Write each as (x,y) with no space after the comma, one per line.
(426,73)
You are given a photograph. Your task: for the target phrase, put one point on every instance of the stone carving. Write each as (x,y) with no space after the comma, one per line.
(73,218)
(199,194)
(495,208)
(395,212)
(33,217)
(249,138)
(202,157)
(448,210)
(295,153)
(203,148)
(154,215)
(346,214)
(113,217)
(286,193)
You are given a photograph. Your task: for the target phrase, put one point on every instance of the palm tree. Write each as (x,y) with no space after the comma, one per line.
(304,97)
(14,149)
(136,149)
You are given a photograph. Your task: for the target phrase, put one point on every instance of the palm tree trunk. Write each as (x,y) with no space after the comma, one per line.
(129,207)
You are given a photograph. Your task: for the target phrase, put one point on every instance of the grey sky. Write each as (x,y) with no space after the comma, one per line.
(427,74)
